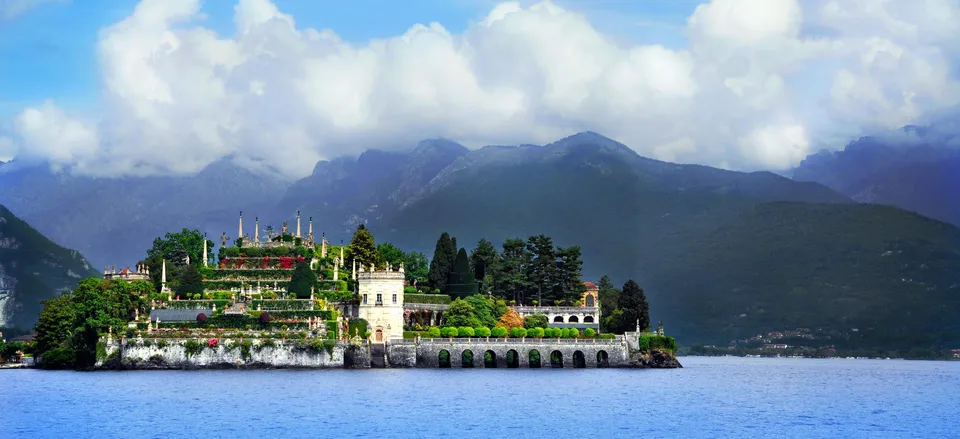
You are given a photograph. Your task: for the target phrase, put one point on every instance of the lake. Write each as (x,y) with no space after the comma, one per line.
(710,397)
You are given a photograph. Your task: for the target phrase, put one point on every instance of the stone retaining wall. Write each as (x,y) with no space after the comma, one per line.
(133,355)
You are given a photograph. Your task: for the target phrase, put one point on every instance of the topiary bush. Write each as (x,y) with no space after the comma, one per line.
(482,332)
(535,332)
(589,332)
(265,317)
(433,331)
(201,318)
(465,331)
(518,332)
(499,331)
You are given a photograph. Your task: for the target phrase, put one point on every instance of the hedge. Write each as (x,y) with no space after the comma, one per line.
(303,314)
(198,304)
(648,342)
(259,252)
(282,305)
(434,299)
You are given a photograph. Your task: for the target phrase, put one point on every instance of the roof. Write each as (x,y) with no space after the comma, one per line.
(177,315)
(590,285)
(25,338)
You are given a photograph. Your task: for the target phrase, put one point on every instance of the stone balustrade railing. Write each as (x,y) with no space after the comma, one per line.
(555,309)
(526,340)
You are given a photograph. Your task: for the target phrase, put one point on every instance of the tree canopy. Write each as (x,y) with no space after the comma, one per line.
(362,248)
(444,255)
(302,281)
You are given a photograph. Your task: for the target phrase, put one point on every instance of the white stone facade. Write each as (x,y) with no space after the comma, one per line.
(381,304)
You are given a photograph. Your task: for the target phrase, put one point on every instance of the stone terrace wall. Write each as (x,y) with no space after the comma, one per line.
(174,356)
(428,351)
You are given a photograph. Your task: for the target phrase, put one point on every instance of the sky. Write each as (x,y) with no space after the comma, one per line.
(169,86)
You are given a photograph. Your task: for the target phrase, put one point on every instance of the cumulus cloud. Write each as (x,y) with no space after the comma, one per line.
(759,82)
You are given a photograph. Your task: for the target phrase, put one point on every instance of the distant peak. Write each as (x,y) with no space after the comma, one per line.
(439,144)
(593,138)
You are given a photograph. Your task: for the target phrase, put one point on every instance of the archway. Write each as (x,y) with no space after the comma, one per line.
(513,359)
(466,358)
(588,319)
(574,319)
(534,358)
(590,302)
(579,362)
(490,359)
(603,360)
(558,319)
(444,358)
(556,359)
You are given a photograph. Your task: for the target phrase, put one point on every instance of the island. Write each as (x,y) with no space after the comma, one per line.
(286,300)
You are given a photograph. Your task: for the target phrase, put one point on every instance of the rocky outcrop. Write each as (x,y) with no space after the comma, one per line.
(654,359)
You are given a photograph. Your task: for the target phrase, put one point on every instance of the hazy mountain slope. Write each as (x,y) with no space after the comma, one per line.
(113,221)
(32,269)
(344,192)
(917,172)
(691,235)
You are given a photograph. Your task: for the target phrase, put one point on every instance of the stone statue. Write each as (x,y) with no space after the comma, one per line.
(223,239)
(284,229)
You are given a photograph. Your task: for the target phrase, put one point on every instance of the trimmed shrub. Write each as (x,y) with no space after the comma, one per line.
(201,318)
(449,331)
(265,317)
(465,331)
(433,331)
(518,332)
(535,332)
(482,332)
(589,332)
(499,331)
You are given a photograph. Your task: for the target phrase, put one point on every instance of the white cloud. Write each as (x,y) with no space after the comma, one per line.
(753,90)
(12,9)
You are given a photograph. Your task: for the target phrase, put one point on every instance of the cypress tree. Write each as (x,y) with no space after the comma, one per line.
(302,281)
(443,258)
(190,281)
(634,305)
(483,258)
(460,282)
(362,249)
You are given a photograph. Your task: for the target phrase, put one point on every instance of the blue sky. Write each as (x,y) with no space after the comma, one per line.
(49,52)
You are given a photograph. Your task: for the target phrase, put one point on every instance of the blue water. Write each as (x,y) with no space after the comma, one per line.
(709,398)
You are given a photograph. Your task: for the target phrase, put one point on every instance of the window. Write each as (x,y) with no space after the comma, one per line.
(394,299)
(379,299)
(364,299)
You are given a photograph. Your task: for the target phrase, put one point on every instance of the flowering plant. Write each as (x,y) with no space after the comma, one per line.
(212,343)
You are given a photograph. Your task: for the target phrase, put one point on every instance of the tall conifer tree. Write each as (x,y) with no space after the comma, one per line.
(634,305)
(442,262)
(362,248)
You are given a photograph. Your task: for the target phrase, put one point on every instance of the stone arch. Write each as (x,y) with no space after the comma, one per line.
(573,319)
(579,361)
(443,358)
(378,336)
(513,359)
(534,357)
(558,319)
(603,359)
(590,302)
(489,359)
(588,319)
(466,358)
(556,359)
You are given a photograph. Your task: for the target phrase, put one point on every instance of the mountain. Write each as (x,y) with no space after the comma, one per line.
(344,192)
(32,269)
(114,220)
(708,245)
(918,170)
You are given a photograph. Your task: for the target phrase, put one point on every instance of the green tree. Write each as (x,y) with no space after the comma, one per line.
(362,248)
(510,279)
(444,255)
(569,268)
(608,295)
(56,323)
(302,280)
(460,282)
(633,304)
(535,321)
(97,311)
(460,314)
(482,258)
(390,253)
(415,268)
(484,310)
(541,271)
(190,282)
